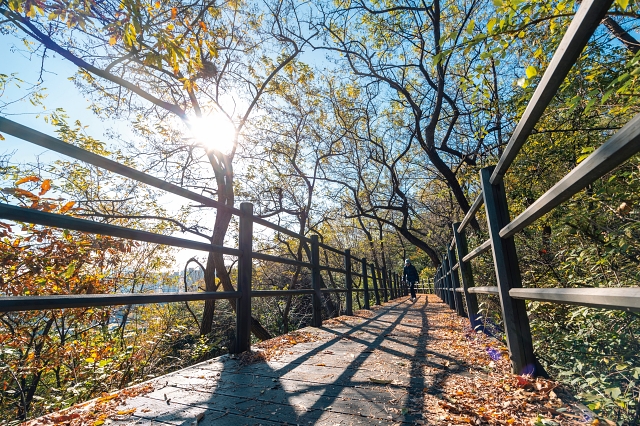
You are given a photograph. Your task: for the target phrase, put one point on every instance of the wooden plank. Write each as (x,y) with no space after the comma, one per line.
(482,248)
(20,214)
(584,23)
(505,260)
(627,299)
(617,150)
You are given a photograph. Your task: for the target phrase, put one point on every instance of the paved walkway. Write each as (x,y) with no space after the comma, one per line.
(403,363)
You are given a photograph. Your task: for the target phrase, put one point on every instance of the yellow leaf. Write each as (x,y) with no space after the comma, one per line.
(89,360)
(2,137)
(157,5)
(622,3)
(112,40)
(531,71)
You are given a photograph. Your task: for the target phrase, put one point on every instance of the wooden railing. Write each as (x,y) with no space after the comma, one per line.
(386,284)
(453,280)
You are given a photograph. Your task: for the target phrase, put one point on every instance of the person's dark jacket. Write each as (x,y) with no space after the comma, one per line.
(410,273)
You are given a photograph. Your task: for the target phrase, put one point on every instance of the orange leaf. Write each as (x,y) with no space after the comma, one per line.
(28,179)
(25,193)
(46,185)
(203,26)
(67,207)
(174,13)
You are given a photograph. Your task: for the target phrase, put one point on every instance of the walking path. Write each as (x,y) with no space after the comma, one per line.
(403,363)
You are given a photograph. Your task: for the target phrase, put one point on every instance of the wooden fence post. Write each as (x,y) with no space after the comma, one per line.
(446,282)
(376,293)
(365,283)
(316,320)
(505,260)
(455,284)
(391,284)
(245,270)
(385,290)
(466,276)
(349,281)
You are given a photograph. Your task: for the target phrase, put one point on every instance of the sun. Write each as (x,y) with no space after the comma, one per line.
(214,131)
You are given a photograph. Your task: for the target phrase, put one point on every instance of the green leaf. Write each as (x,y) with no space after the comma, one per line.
(614,392)
(531,71)
(70,270)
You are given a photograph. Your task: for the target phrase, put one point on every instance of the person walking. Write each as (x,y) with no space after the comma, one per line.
(410,276)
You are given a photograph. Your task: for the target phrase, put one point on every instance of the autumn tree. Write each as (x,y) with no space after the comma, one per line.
(162,63)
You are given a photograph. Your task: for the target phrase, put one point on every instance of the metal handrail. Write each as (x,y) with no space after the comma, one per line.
(38,138)
(585,22)
(37,217)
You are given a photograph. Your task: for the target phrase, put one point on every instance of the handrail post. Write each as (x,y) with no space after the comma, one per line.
(445,281)
(365,283)
(316,320)
(455,284)
(466,276)
(245,270)
(383,273)
(505,260)
(349,282)
(448,282)
(375,283)
(391,285)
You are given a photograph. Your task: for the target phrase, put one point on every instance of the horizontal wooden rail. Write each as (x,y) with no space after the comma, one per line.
(279,259)
(37,138)
(618,149)
(273,293)
(68,222)
(627,299)
(471,213)
(267,224)
(455,267)
(484,290)
(333,249)
(584,23)
(460,290)
(28,303)
(477,251)
(331,269)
